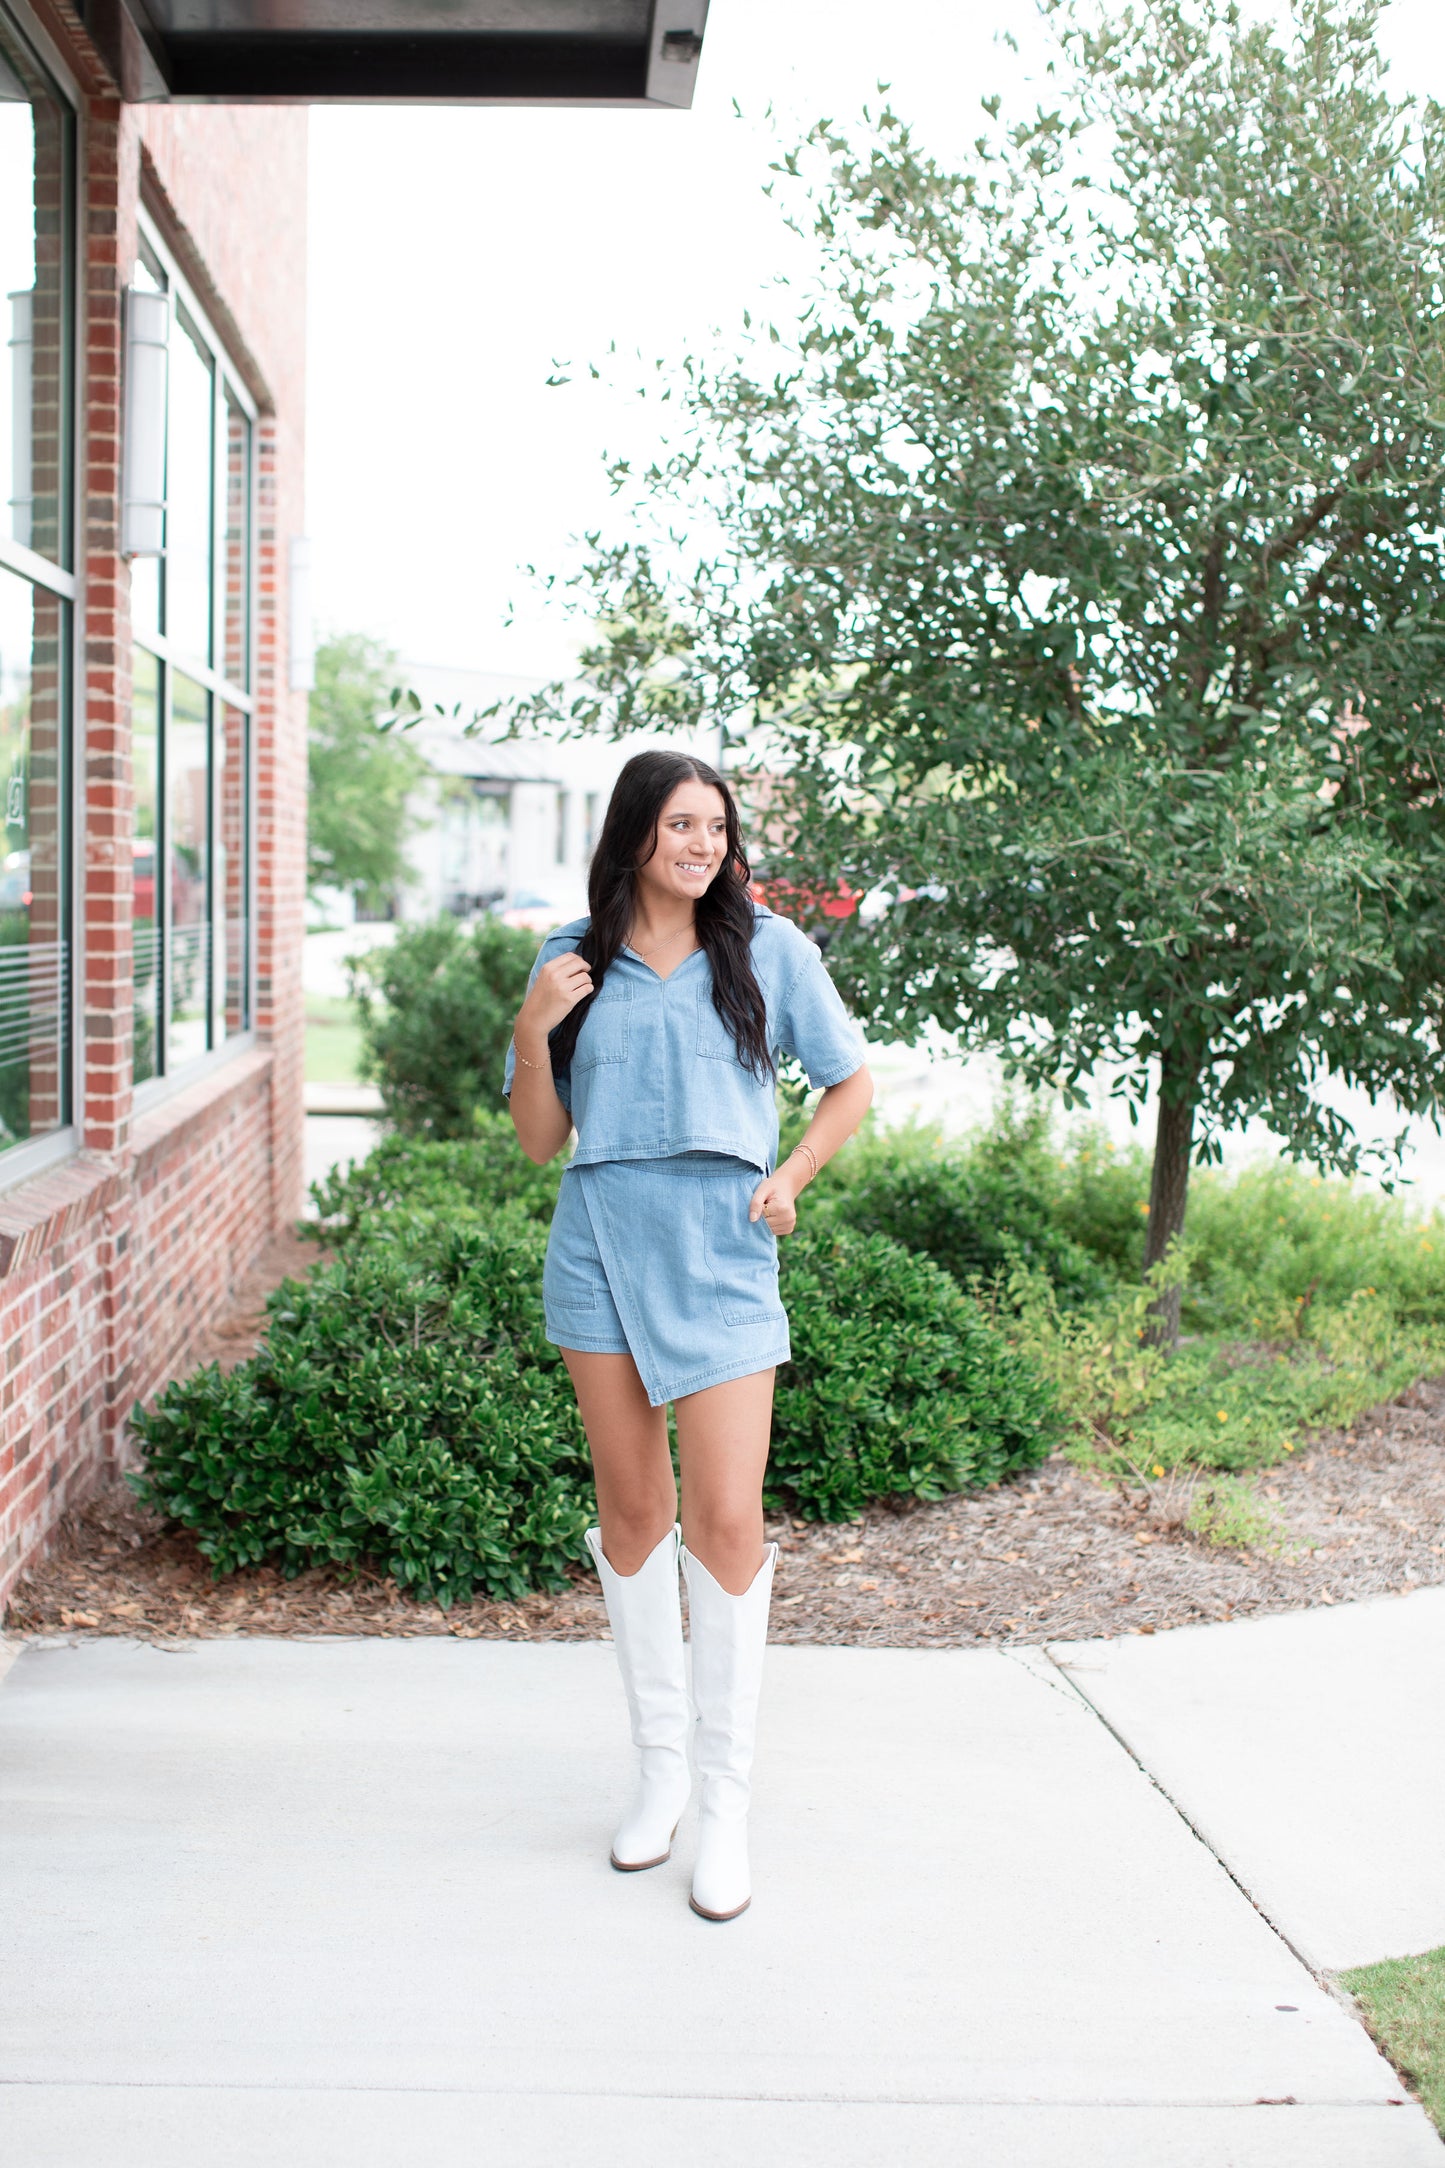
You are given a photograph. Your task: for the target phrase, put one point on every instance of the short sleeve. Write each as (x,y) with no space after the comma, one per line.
(813,1024)
(561,1078)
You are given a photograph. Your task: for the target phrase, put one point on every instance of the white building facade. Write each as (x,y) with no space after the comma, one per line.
(509,824)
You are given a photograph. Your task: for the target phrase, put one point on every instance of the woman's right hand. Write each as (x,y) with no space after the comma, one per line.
(556,991)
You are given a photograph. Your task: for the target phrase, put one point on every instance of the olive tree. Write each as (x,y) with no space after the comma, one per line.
(1079,573)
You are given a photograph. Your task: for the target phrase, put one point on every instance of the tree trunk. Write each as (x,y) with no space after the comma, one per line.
(1169,1187)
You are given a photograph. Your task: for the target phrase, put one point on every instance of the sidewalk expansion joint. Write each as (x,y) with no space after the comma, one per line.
(1321,1979)
(1140,2103)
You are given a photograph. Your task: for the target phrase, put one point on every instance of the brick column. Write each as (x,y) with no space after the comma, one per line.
(110,171)
(280,756)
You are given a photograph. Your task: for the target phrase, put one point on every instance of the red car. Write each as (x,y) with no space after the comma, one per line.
(805,905)
(188,887)
(143,879)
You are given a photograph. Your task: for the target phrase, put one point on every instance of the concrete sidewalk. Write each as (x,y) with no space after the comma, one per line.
(349,1901)
(1308,1750)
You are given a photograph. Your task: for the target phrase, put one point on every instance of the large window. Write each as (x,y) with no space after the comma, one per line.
(191,615)
(36,594)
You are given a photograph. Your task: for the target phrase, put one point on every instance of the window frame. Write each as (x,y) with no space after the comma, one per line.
(222,692)
(20,1163)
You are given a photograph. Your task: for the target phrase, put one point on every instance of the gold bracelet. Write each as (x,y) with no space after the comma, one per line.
(812,1158)
(523,1061)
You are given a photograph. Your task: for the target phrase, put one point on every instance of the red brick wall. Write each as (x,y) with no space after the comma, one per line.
(202,1204)
(54,1327)
(114,1264)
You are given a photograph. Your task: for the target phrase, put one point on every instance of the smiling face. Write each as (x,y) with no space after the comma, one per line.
(692,845)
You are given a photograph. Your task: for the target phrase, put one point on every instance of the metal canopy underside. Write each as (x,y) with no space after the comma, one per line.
(501,52)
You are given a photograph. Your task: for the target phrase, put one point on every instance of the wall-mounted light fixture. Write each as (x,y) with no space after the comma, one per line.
(676,49)
(143,473)
(301,635)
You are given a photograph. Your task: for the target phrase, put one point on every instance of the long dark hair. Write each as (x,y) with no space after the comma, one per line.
(724,910)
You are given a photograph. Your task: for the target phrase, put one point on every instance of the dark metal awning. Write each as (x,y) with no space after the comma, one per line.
(493,52)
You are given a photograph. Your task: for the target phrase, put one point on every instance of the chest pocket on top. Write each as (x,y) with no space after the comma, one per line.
(604,1035)
(713,1036)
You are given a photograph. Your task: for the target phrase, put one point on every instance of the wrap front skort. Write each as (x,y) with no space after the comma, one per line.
(657,1259)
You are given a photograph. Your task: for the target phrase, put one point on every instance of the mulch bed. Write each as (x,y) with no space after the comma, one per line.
(1055,1555)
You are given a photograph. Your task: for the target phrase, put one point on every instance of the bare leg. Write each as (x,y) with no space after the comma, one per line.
(636,1493)
(722,1436)
(635,1552)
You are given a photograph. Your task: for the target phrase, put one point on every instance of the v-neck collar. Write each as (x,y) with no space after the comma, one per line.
(661,977)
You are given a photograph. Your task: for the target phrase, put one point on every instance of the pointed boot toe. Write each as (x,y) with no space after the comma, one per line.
(721,1883)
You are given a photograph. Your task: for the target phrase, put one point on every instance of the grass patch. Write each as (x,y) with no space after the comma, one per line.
(1403,2004)
(333,1041)
(330,1009)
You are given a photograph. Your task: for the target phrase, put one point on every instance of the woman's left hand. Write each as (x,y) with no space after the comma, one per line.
(776,1200)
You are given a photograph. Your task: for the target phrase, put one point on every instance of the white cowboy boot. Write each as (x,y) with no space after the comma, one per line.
(645,1613)
(729,1634)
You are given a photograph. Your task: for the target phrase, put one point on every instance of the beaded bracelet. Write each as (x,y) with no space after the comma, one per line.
(523,1061)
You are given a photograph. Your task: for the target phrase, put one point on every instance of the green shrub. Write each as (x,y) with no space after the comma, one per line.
(897,1384)
(485,1168)
(1237,1404)
(1101,1368)
(1214,1402)
(1273,1248)
(405,1410)
(1277,1247)
(976,1208)
(1229,1514)
(437,1007)
(1098,1195)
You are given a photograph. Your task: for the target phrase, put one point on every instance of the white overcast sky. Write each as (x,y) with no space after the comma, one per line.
(456,253)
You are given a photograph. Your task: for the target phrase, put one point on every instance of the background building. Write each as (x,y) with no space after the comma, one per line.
(509,823)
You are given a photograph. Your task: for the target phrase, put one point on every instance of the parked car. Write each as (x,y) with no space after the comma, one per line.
(816,910)
(536,912)
(143,880)
(188,885)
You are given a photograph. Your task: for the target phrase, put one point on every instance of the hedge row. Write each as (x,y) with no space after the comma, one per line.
(406,1410)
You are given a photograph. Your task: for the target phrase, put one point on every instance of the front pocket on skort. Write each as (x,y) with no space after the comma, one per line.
(740,1254)
(571,1268)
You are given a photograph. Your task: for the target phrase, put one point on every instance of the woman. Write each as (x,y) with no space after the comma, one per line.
(652,1026)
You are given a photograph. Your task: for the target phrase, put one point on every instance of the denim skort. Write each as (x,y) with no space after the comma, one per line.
(657,1259)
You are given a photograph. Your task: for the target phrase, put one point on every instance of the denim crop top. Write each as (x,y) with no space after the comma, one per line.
(655,1071)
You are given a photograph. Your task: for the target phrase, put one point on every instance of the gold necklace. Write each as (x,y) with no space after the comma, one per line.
(657,946)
